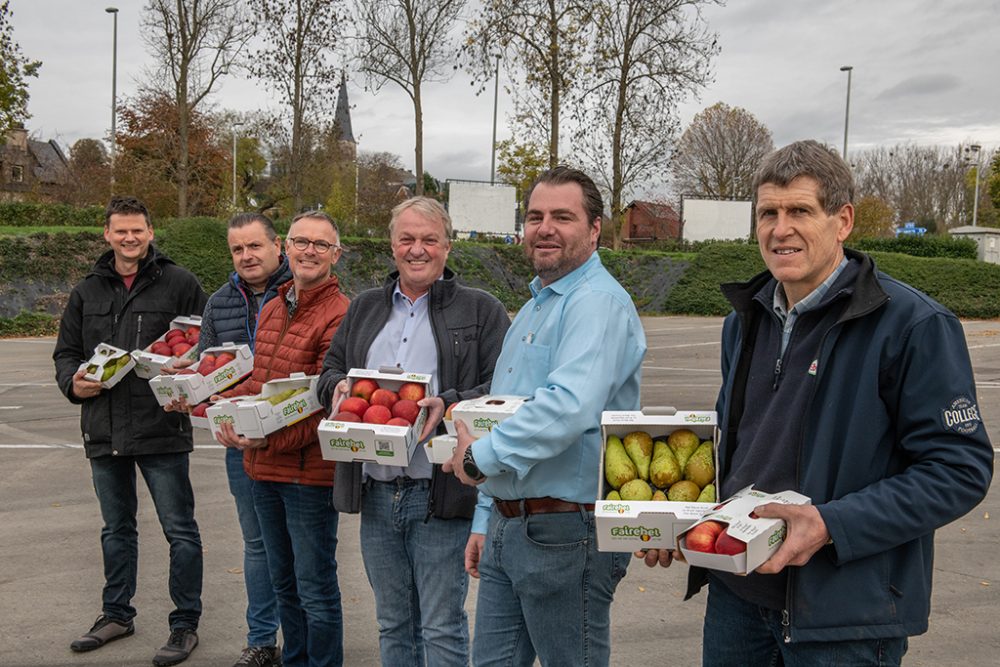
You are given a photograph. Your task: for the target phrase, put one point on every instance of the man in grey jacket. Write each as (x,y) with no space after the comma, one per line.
(415,520)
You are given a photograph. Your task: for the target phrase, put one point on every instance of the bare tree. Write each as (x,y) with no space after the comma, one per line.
(720,151)
(196,42)
(542,43)
(299,37)
(648,56)
(407,42)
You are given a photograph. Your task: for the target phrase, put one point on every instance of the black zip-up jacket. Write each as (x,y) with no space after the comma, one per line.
(892,448)
(469,327)
(126,419)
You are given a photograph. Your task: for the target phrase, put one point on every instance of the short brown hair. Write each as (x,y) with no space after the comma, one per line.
(126,206)
(243,219)
(813,159)
(593,204)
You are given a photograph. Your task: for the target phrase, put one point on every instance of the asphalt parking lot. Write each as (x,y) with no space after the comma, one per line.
(51,579)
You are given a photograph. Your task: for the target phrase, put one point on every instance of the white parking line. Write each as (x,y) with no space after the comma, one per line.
(28,384)
(680,345)
(10,407)
(684,370)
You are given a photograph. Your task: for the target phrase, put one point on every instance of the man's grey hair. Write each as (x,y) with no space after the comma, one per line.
(318,215)
(427,208)
(813,159)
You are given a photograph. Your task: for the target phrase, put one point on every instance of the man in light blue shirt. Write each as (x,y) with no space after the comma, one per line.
(576,349)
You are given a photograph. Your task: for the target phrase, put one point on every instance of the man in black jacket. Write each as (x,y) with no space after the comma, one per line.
(415,521)
(128,301)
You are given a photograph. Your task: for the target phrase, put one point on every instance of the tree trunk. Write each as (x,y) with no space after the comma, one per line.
(554,78)
(183,131)
(616,156)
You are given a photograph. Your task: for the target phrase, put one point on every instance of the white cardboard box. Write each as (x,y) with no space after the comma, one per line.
(630,525)
(196,388)
(374,443)
(164,388)
(762,536)
(148,365)
(256,419)
(481,414)
(224,411)
(440,448)
(103,354)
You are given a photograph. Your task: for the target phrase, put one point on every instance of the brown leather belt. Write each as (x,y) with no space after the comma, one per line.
(516,508)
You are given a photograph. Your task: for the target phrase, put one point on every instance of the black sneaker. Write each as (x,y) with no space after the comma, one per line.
(259,656)
(104,630)
(177,649)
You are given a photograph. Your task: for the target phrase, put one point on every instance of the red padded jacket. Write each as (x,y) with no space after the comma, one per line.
(285,345)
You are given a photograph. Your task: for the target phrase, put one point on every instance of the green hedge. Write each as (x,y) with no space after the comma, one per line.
(23,214)
(919,246)
(29,324)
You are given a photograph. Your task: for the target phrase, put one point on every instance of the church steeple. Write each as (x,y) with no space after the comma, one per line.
(342,114)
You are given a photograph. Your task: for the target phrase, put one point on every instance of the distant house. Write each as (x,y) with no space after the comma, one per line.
(32,170)
(647,221)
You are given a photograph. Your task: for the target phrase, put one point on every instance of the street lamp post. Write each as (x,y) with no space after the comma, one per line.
(235,125)
(847,111)
(493,154)
(114,90)
(975,148)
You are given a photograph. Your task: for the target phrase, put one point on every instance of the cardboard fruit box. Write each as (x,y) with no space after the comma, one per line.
(204,381)
(107,357)
(385,444)
(280,404)
(481,414)
(224,411)
(199,421)
(632,525)
(440,448)
(762,537)
(148,363)
(164,388)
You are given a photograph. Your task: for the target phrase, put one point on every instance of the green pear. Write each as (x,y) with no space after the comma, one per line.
(613,495)
(663,471)
(684,491)
(92,369)
(700,468)
(639,447)
(659,495)
(707,494)
(637,489)
(618,467)
(109,370)
(683,442)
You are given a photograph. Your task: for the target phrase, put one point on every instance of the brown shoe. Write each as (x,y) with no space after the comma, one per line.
(104,630)
(177,649)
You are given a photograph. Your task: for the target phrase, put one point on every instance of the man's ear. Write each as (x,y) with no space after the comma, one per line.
(845,219)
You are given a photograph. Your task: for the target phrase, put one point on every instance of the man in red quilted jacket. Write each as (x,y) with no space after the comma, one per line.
(293,484)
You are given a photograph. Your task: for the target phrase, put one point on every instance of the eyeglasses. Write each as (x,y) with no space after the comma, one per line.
(321,247)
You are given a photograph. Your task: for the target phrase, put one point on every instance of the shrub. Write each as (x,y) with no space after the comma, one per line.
(199,245)
(26,214)
(697,292)
(29,324)
(919,246)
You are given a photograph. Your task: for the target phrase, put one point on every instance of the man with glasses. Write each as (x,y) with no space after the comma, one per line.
(292,481)
(231,316)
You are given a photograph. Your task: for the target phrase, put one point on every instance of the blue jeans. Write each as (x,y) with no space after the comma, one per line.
(545,590)
(169,485)
(262,607)
(299,526)
(417,571)
(741,634)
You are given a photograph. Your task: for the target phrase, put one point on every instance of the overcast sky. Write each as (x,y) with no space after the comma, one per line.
(924,73)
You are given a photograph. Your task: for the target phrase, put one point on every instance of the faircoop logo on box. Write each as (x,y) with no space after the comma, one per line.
(165,391)
(636,532)
(697,419)
(347,443)
(776,536)
(226,373)
(223,419)
(484,423)
(298,406)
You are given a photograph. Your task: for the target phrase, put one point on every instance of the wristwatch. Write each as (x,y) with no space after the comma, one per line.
(470,468)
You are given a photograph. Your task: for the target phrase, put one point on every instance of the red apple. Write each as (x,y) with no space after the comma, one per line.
(355,405)
(384,397)
(223,359)
(193,331)
(345,416)
(364,388)
(702,537)
(161,348)
(199,410)
(206,365)
(173,334)
(728,545)
(412,391)
(406,409)
(398,421)
(377,414)
(447,413)
(186,371)
(180,349)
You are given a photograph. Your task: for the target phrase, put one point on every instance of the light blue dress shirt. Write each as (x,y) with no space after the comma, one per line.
(406,341)
(576,348)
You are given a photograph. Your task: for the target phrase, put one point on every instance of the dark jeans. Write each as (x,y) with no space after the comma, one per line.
(168,482)
(299,526)
(262,608)
(741,634)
